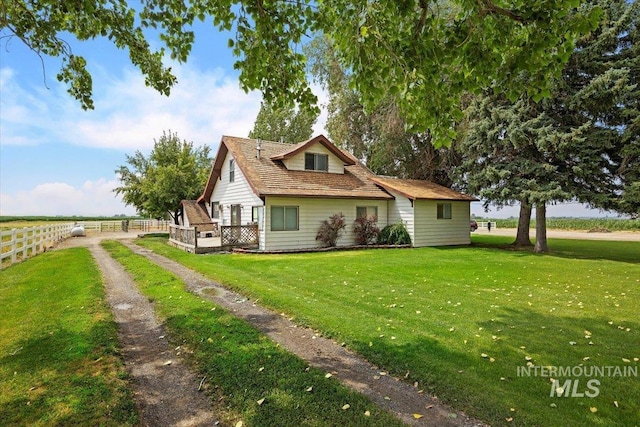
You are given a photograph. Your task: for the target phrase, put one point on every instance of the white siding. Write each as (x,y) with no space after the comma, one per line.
(237,192)
(401,210)
(297,162)
(431,231)
(311,213)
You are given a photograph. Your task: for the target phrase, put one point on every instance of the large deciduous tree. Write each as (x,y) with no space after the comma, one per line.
(285,124)
(423,54)
(579,144)
(174,171)
(379,138)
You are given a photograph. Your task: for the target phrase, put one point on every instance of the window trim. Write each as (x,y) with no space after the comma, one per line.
(366,212)
(284,217)
(316,156)
(441,211)
(215,210)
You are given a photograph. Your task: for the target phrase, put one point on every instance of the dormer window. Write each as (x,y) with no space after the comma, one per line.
(316,162)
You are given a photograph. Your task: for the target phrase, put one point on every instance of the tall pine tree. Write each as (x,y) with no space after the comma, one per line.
(579,144)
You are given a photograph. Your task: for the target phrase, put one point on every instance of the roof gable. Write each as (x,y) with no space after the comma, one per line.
(267,176)
(304,146)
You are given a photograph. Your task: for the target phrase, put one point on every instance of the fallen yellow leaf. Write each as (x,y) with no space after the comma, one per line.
(261,401)
(367,413)
(593,409)
(417,416)
(309,389)
(239,424)
(328,375)
(345,407)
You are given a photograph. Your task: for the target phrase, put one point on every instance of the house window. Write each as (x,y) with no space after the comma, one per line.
(284,218)
(444,210)
(232,170)
(215,210)
(255,214)
(366,211)
(316,162)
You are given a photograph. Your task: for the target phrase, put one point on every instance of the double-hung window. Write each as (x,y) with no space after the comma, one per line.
(444,210)
(215,210)
(284,218)
(232,170)
(316,162)
(366,211)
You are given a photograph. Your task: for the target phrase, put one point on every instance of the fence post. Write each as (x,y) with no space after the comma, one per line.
(195,237)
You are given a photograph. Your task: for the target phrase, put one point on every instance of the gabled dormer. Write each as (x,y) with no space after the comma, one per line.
(315,155)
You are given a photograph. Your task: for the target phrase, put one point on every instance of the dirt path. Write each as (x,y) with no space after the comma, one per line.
(165,390)
(166,394)
(388,392)
(618,236)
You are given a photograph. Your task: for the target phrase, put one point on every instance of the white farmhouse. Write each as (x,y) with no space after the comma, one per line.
(288,190)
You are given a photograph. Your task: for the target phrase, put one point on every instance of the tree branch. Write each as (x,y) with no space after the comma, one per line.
(488,7)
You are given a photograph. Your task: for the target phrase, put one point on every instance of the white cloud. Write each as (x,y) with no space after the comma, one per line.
(94,198)
(203,106)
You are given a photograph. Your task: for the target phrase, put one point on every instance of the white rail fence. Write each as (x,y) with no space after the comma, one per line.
(484,224)
(19,244)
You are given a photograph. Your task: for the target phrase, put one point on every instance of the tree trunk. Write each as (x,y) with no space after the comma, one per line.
(524,221)
(541,229)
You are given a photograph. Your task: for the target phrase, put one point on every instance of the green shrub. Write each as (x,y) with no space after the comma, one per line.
(394,234)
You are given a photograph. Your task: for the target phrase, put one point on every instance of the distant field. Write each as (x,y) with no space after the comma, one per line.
(609,224)
(32,221)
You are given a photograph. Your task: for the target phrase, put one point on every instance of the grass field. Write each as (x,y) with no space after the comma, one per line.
(250,377)
(463,322)
(59,362)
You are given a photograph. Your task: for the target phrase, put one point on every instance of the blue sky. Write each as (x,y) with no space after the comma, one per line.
(56,159)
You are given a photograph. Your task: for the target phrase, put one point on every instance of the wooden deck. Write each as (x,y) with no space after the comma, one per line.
(187,239)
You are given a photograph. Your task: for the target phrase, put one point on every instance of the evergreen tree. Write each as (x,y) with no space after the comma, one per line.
(579,144)
(284,123)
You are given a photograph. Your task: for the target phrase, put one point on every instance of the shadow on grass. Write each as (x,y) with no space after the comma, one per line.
(486,382)
(566,248)
(243,367)
(584,343)
(66,379)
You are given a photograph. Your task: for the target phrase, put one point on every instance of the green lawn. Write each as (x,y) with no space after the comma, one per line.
(462,321)
(59,361)
(250,377)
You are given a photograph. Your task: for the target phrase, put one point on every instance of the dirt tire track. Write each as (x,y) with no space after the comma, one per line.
(388,392)
(165,394)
